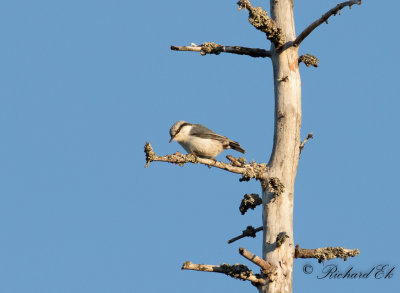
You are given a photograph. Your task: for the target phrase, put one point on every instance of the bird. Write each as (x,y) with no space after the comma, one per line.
(201,141)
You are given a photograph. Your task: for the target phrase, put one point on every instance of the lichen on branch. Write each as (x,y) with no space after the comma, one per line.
(281,238)
(236,271)
(248,171)
(240,271)
(259,18)
(309,60)
(250,231)
(275,186)
(211,48)
(325,253)
(216,49)
(238,162)
(249,201)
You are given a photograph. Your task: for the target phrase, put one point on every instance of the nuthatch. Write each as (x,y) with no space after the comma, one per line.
(201,141)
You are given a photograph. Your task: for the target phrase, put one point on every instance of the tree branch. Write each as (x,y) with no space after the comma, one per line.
(325,253)
(269,270)
(236,271)
(324,18)
(249,201)
(250,231)
(213,48)
(260,20)
(309,60)
(248,171)
(240,271)
(310,135)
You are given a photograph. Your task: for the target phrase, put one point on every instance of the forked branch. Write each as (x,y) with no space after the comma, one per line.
(213,48)
(325,253)
(268,270)
(324,18)
(248,171)
(236,271)
(240,271)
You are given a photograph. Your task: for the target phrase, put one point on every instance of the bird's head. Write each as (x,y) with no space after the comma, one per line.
(176,129)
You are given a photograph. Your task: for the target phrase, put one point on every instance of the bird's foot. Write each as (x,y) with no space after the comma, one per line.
(192,157)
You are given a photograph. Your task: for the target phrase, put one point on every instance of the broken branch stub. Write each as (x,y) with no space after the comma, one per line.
(309,60)
(249,201)
(275,186)
(310,135)
(281,238)
(325,253)
(250,231)
(213,48)
(268,270)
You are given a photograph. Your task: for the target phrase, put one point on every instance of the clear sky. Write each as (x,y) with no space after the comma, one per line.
(84,84)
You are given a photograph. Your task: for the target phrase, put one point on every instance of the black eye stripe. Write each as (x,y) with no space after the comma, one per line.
(180,127)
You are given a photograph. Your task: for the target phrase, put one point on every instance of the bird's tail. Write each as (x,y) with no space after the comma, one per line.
(236,146)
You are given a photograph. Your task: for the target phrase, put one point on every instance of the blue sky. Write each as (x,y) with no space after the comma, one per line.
(84,84)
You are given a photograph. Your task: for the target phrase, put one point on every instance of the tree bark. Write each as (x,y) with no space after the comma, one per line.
(278,206)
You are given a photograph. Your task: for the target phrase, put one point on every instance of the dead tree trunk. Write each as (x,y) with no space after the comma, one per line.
(278,176)
(278,193)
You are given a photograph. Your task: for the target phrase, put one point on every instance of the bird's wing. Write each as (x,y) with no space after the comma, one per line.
(203,132)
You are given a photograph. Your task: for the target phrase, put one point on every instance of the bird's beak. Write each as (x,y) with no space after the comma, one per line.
(172,138)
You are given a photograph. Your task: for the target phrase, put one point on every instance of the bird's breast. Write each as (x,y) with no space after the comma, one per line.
(202,147)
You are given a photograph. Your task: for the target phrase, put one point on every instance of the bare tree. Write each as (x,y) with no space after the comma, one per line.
(278,176)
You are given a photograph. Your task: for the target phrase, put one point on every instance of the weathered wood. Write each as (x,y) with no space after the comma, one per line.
(278,210)
(268,270)
(248,171)
(325,253)
(236,271)
(213,48)
(324,18)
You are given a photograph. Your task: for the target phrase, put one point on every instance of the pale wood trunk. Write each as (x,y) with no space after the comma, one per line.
(278,210)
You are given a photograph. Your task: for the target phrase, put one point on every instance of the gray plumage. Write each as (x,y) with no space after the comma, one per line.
(200,140)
